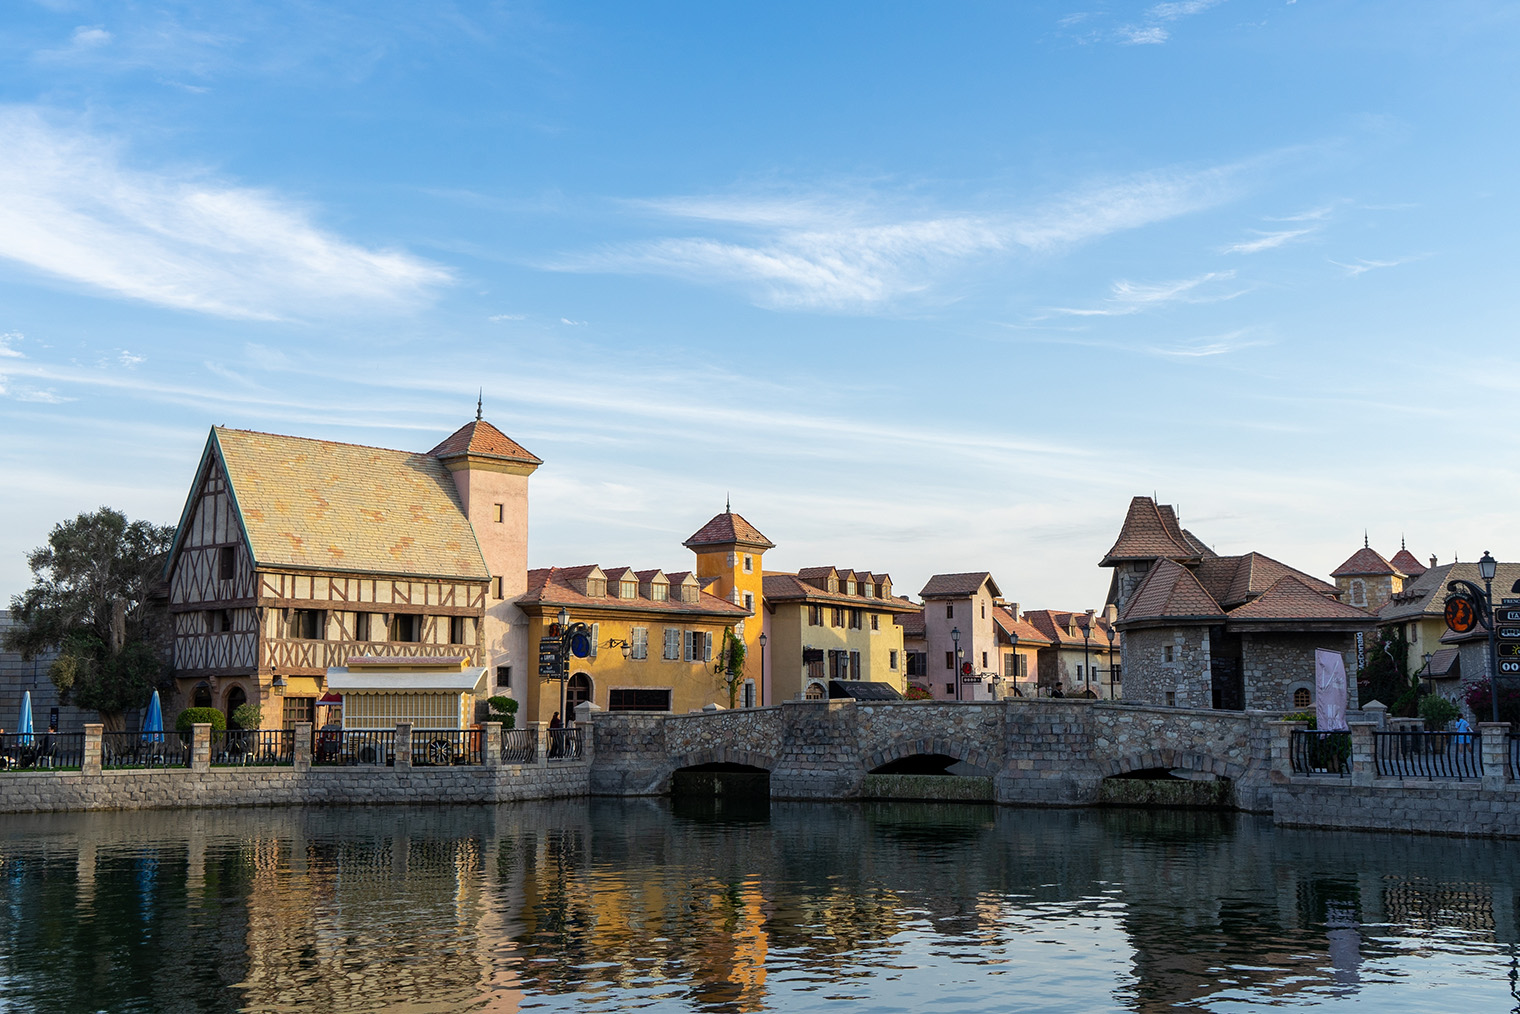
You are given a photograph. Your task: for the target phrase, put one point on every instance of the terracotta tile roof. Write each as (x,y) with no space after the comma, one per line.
(1170,591)
(1055,625)
(912,624)
(958,586)
(1291,600)
(322,505)
(1233,580)
(1027,633)
(482,440)
(1365,562)
(1151,533)
(550,586)
(1443,659)
(1404,560)
(791,588)
(726,529)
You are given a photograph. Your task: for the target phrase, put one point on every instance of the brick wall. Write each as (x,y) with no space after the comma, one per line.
(1148,677)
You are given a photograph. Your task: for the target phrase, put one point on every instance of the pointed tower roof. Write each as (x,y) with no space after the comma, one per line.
(1405,561)
(1365,562)
(1151,532)
(479,439)
(728,529)
(1170,592)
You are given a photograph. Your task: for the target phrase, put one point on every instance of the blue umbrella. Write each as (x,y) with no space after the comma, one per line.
(25,728)
(153,723)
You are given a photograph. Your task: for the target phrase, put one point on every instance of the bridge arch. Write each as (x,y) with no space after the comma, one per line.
(959,749)
(723,755)
(1183,760)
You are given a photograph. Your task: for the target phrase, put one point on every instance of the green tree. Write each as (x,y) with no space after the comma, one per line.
(731,675)
(91,601)
(1385,677)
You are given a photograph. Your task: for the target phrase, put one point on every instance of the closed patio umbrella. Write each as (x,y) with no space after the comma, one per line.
(25,726)
(153,722)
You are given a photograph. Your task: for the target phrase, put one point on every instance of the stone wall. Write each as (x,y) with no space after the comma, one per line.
(1149,678)
(1423,806)
(1273,664)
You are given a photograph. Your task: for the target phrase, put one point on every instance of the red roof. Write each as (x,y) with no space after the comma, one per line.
(1170,591)
(1405,561)
(482,440)
(1290,599)
(957,586)
(1234,580)
(550,586)
(728,529)
(1363,563)
(1026,632)
(1151,532)
(779,587)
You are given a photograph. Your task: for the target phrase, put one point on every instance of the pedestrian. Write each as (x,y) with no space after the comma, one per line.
(1464,731)
(1056,692)
(556,735)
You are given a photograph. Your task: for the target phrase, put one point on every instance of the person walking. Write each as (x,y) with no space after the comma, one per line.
(556,735)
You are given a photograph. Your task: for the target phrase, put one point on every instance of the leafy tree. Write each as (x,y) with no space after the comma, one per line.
(503,710)
(731,676)
(91,602)
(1385,677)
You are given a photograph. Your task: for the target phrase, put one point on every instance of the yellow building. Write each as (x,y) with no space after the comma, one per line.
(827,624)
(729,557)
(656,637)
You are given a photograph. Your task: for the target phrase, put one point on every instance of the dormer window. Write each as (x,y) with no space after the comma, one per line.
(867,590)
(849,587)
(628,590)
(834,584)
(689,593)
(659,591)
(596,587)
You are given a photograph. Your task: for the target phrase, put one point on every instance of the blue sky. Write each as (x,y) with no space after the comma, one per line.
(924,287)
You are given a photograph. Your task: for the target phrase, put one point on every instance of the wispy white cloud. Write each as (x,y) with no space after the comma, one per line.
(860,252)
(1134,297)
(1267,240)
(1143,35)
(1151,30)
(8,342)
(71,208)
(1180,9)
(1201,348)
(497,318)
(1362,265)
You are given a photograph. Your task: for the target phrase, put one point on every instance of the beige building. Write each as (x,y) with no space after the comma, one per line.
(824,624)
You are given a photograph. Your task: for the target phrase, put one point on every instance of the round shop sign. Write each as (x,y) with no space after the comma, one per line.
(1460,614)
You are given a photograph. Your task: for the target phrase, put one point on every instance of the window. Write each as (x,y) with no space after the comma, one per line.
(500,514)
(224,620)
(1079,672)
(984,610)
(749,564)
(814,692)
(1358,592)
(1166,652)
(628,590)
(672,644)
(854,665)
(850,586)
(496,587)
(1171,698)
(749,601)
(984,660)
(308,624)
(504,676)
(577,690)
(815,616)
(298,709)
(456,630)
(854,619)
(748,698)
(875,621)
(406,627)
(361,626)
(638,700)
(892,659)
(226,563)
(950,660)
(918,663)
(698,646)
(596,587)
(950,689)
(1301,697)
(837,619)
(949,610)
(659,591)
(638,642)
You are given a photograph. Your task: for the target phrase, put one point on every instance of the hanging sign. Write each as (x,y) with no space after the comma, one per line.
(1460,615)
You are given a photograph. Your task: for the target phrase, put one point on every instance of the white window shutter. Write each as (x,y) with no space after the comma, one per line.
(686,646)
(707,640)
(596,637)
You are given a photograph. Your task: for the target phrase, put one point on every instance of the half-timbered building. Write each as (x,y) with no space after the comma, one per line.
(294,555)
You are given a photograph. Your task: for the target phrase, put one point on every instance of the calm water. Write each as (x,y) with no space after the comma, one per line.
(613,905)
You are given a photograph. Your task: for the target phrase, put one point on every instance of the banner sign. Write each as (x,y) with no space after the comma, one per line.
(1329,691)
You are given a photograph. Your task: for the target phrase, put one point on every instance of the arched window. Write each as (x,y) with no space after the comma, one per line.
(1301,697)
(814,692)
(1358,592)
(236,698)
(577,690)
(202,696)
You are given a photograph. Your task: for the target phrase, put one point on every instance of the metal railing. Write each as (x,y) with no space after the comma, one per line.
(250,747)
(1428,754)
(41,751)
(353,746)
(566,744)
(519,746)
(145,749)
(1320,753)
(443,747)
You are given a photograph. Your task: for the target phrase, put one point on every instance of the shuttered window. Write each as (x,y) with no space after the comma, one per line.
(672,644)
(638,646)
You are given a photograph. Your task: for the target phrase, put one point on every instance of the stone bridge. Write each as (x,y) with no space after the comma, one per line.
(1052,752)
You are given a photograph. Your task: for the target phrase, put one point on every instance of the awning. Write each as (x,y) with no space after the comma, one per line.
(863,690)
(467,681)
(331,698)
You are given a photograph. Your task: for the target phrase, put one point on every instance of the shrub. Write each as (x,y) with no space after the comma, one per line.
(247,716)
(503,710)
(193,716)
(918,693)
(1509,703)
(1312,717)
(1437,711)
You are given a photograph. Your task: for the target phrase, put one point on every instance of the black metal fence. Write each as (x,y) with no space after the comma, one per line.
(519,746)
(145,749)
(1320,753)
(566,744)
(1428,754)
(444,747)
(353,746)
(41,751)
(253,747)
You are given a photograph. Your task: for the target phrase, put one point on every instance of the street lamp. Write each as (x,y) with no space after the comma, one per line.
(955,637)
(1109,630)
(1013,639)
(763,639)
(1483,599)
(1086,661)
(564,676)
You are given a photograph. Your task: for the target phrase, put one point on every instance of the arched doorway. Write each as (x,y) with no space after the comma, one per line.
(201,698)
(576,691)
(236,698)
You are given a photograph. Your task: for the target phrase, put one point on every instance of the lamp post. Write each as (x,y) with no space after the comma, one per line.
(1483,599)
(1109,630)
(955,638)
(763,639)
(564,665)
(1013,639)
(1086,660)
(1430,678)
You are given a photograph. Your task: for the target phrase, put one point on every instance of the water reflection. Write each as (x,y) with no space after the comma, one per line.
(612,905)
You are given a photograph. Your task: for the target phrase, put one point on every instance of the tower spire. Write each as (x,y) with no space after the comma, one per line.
(479,402)
(728,503)
(1365,544)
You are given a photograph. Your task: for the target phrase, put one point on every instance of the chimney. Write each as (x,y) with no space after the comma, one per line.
(1432,559)
(1013,608)
(1111,613)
